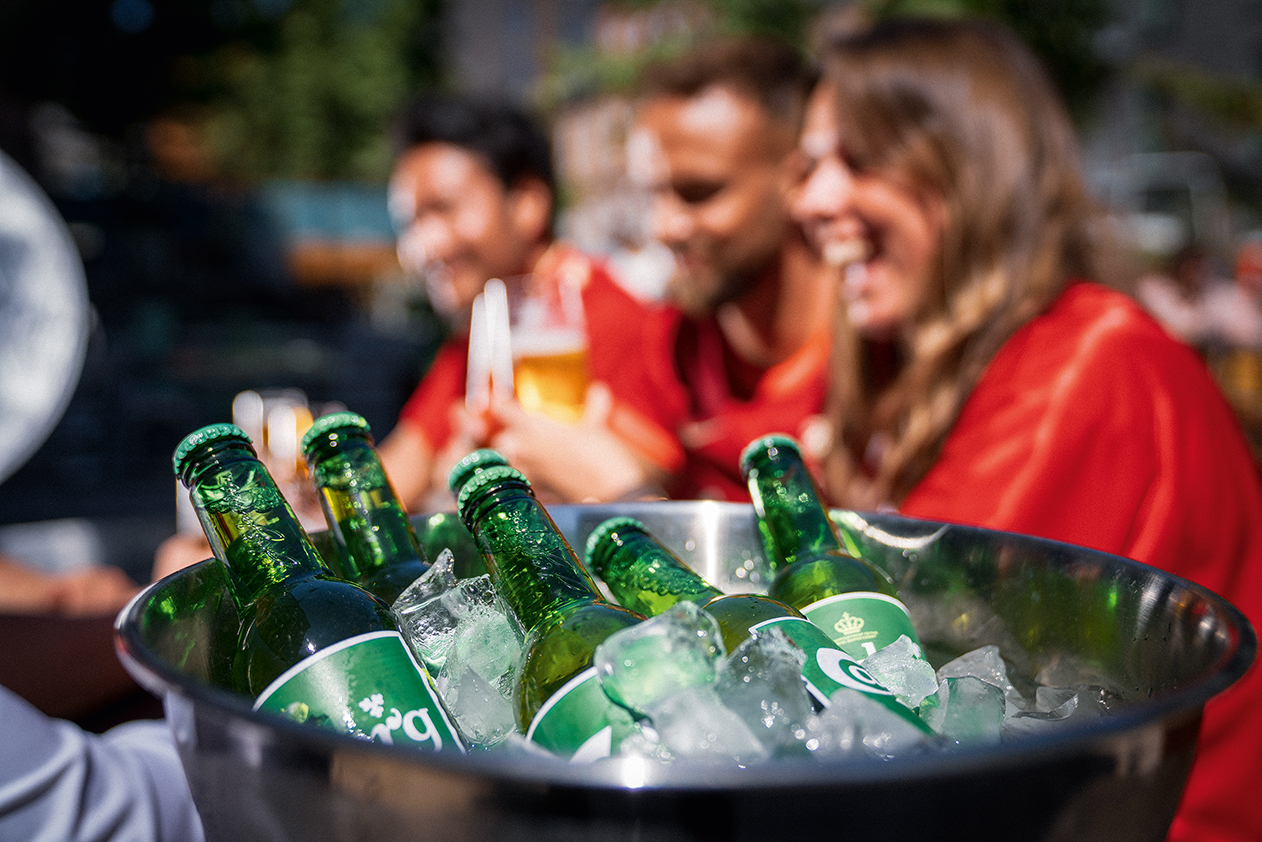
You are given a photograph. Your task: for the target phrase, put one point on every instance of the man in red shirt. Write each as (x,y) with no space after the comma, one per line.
(473,195)
(743,349)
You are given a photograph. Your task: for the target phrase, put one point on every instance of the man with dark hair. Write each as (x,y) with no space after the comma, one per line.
(473,196)
(743,351)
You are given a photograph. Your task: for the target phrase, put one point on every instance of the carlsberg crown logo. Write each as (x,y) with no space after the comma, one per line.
(848,624)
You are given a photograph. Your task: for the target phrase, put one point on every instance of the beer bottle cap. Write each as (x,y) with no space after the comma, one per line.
(205,435)
(610,526)
(482,479)
(765,443)
(326,424)
(478,460)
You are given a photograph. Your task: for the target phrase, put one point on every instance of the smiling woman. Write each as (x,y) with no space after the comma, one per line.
(879,226)
(977,377)
(943,172)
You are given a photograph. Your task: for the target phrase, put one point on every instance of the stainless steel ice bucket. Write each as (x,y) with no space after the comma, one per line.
(1168,644)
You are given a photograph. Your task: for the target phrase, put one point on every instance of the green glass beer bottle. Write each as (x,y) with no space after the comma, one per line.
(377,547)
(851,599)
(645,576)
(560,704)
(313,647)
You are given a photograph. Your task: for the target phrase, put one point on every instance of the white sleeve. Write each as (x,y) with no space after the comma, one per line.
(63,784)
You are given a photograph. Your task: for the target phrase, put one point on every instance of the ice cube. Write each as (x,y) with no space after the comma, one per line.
(856,725)
(986,664)
(476,678)
(651,660)
(1055,706)
(428,625)
(902,669)
(645,743)
(1066,670)
(1048,699)
(694,723)
(488,640)
(961,621)
(428,613)
(761,682)
(965,710)
(481,711)
(436,581)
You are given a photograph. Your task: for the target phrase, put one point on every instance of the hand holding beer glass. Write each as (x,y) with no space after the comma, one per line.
(538,324)
(560,429)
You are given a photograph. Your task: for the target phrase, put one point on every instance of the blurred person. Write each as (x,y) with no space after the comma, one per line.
(981,375)
(1235,305)
(742,348)
(86,591)
(1172,294)
(61,783)
(474,193)
(1236,358)
(1248,269)
(1201,304)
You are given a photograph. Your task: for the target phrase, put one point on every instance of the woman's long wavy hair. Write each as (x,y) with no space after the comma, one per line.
(962,111)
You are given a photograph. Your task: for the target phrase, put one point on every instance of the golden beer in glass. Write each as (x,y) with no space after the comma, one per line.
(549,347)
(551,375)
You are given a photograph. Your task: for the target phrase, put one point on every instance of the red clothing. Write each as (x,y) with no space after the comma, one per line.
(614,320)
(691,369)
(1093,426)
(442,386)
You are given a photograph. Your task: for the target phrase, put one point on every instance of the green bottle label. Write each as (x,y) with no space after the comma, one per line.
(861,622)
(580,722)
(828,670)
(369,685)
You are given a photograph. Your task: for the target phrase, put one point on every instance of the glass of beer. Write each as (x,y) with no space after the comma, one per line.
(549,345)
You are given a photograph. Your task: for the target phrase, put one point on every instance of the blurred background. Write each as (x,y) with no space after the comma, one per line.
(221,167)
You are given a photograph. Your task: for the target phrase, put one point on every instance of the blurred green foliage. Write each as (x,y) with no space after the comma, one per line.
(1235,103)
(1061,32)
(583,69)
(310,93)
(788,20)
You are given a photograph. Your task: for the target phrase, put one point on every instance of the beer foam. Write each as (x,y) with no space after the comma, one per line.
(548,343)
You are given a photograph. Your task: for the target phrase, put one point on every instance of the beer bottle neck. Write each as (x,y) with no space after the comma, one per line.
(361,506)
(470,465)
(250,525)
(645,576)
(528,559)
(793,522)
